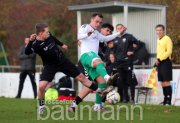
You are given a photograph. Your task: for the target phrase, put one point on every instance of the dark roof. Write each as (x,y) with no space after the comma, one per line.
(114,6)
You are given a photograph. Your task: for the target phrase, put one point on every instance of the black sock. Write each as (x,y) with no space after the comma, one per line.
(120,91)
(169,93)
(93,86)
(41,102)
(165,94)
(78,100)
(132,93)
(104,99)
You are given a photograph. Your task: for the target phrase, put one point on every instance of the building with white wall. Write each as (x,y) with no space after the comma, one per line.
(140,19)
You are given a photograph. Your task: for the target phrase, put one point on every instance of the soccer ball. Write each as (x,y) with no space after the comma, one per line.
(113,97)
(51,94)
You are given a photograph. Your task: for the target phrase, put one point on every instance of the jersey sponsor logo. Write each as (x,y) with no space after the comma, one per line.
(51,45)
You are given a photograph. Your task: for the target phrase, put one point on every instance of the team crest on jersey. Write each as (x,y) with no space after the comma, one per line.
(83,26)
(45,48)
(94,35)
(124,40)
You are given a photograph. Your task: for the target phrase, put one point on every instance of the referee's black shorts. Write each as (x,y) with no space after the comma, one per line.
(165,70)
(67,67)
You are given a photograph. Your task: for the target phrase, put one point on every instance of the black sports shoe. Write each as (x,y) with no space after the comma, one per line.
(168,102)
(132,102)
(112,79)
(17,97)
(125,101)
(73,107)
(162,103)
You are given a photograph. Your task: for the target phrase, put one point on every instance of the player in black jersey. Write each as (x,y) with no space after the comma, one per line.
(54,60)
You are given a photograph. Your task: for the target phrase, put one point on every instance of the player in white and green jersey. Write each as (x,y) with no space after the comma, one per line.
(92,63)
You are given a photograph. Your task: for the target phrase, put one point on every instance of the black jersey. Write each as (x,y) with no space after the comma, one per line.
(122,45)
(48,50)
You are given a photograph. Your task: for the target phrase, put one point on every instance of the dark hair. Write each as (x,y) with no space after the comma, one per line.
(160,25)
(40,27)
(110,41)
(107,25)
(119,25)
(96,14)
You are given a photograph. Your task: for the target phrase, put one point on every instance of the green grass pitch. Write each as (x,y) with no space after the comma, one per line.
(24,111)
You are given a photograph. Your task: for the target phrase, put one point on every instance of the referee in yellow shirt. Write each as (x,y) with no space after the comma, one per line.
(163,62)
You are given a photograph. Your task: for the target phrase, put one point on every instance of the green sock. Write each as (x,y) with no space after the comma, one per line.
(98,97)
(100,69)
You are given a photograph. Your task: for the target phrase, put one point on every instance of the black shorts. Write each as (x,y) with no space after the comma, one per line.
(82,70)
(165,70)
(66,67)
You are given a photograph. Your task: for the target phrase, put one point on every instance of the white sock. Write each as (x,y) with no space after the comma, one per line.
(106,77)
(41,106)
(97,105)
(73,104)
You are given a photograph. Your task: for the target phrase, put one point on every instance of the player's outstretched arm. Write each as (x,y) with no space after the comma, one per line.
(103,38)
(58,42)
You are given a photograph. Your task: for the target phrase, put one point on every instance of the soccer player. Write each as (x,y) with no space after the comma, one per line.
(163,62)
(91,62)
(54,60)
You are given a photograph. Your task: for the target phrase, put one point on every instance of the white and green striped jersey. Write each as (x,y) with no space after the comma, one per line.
(91,43)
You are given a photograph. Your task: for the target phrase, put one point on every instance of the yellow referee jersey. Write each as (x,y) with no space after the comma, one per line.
(164,48)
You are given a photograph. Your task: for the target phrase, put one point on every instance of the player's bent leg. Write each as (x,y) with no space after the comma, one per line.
(82,78)
(100,69)
(82,94)
(41,90)
(102,85)
(41,93)
(98,64)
